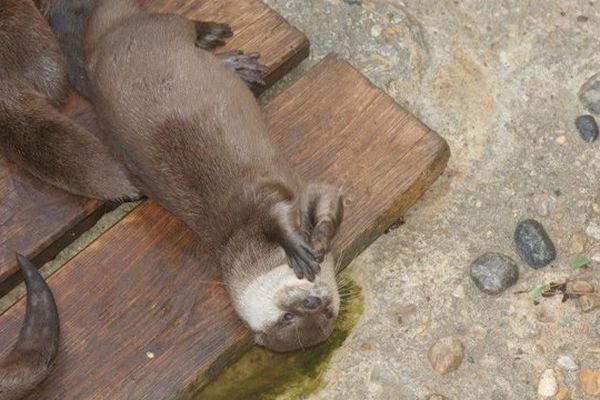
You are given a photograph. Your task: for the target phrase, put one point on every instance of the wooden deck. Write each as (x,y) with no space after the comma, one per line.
(148,286)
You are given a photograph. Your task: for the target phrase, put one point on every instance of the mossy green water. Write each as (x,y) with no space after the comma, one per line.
(264,375)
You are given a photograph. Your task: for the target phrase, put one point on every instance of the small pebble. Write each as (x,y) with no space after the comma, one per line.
(580,287)
(578,242)
(566,362)
(587,127)
(376,30)
(563,393)
(436,397)
(446,355)
(587,303)
(533,244)
(150,355)
(593,229)
(593,350)
(353,2)
(541,203)
(582,18)
(459,292)
(548,386)
(494,273)
(404,377)
(589,94)
(561,139)
(590,381)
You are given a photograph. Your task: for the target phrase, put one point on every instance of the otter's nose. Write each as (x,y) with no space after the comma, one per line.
(312,302)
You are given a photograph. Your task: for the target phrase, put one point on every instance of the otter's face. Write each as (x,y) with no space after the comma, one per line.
(287,313)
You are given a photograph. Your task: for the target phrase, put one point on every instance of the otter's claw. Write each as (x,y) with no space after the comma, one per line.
(211,34)
(320,239)
(245,65)
(301,257)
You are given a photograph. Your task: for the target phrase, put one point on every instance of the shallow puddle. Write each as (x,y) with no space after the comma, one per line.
(263,375)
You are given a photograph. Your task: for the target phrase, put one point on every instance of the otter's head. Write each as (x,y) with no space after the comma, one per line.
(287,313)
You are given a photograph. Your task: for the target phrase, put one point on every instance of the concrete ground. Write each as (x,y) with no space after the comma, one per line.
(499,81)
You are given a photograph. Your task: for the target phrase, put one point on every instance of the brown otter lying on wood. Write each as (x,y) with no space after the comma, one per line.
(194,136)
(32,357)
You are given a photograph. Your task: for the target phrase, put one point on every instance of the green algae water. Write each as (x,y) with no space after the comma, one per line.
(263,375)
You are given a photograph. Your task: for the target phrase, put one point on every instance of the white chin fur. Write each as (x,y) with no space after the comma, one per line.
(256,304)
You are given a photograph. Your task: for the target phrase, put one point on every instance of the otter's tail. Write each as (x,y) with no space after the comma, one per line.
(32,357)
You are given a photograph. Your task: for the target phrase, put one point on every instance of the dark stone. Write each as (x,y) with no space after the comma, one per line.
(589,94)
(533,244)
(494,273)
(582,18)
(353,2)
(587,127)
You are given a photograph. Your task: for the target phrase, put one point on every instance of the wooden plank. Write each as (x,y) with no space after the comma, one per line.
(38,220)
(34,215)
(148,285)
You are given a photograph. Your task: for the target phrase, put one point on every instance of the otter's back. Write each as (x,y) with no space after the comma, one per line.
(150,71)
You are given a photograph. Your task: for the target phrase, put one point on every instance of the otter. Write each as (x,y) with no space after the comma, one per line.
(32,357)
(193,135)
(33,132)
(68,20)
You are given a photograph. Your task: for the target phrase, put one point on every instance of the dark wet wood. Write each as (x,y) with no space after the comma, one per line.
(38,220)
(148,284)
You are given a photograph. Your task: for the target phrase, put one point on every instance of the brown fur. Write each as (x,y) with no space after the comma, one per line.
(186,126)
(68,20)
(194,136)
(33,133)
(32,357)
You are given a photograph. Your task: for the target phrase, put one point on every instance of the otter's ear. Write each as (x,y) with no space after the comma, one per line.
(323,209)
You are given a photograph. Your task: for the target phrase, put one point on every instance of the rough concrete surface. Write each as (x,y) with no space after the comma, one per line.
(499,80)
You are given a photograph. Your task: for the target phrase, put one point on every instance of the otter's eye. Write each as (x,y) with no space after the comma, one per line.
(288,317)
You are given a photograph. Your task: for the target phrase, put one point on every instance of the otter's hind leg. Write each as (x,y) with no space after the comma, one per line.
(49,145)
(211,34)
(245,65)
(68,22)
(323,210)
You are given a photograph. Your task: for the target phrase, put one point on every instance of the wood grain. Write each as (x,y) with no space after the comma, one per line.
(38,220)
(147,284)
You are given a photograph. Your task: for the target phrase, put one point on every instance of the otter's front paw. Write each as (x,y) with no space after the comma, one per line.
(320,238)
(245,65)
(211,34)
(301,257)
